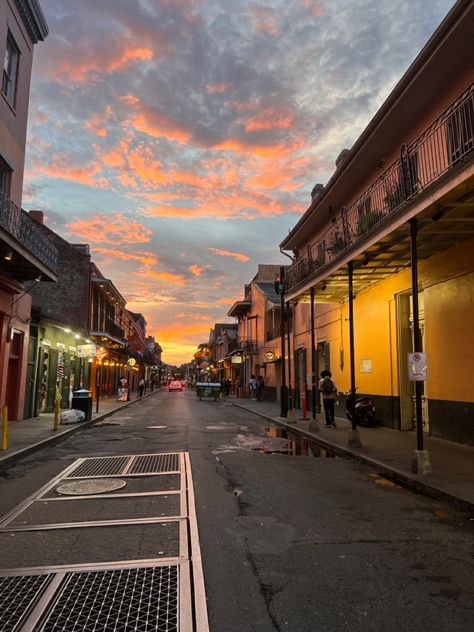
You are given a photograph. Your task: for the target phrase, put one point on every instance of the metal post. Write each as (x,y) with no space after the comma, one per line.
(97,388)
(417,343)
(313,358)
(290,390)
(5,428)
(283,392)
(56,414)
(354,439)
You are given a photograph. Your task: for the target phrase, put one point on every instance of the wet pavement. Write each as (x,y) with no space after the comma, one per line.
(452,464)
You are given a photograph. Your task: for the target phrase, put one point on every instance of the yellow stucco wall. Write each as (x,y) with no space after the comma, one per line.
(447,280)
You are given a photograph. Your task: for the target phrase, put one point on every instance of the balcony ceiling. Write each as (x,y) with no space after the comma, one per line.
(22,267)
(441,225)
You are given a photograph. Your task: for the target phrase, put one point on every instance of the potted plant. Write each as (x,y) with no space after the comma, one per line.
(368,221)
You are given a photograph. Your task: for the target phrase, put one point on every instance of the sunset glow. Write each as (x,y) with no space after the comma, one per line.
(182,141)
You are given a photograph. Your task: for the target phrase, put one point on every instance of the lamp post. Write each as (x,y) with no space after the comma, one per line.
(280,289)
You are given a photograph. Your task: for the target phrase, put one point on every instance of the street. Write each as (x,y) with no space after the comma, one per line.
(295,543)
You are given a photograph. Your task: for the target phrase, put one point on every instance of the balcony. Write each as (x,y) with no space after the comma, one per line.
(273,334)
(249,346)
(33,253)
(108,329)
(439,150)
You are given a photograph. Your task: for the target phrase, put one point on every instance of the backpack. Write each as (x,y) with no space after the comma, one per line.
(327,386)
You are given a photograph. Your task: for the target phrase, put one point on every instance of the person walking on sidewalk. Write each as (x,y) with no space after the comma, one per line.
(260,388)
(328,388)
(141,387)
(253,387)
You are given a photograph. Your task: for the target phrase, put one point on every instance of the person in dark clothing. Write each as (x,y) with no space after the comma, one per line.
(227,385)
(328,388)
(260,388)
(141,387)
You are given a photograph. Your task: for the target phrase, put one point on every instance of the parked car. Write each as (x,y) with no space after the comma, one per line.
(175,385)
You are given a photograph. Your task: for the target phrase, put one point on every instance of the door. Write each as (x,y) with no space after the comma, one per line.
(51,383)
(404,303)
(28,410)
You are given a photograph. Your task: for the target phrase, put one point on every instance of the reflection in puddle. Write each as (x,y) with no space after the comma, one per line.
(276,441)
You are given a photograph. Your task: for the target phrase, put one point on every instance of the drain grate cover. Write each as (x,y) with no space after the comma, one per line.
(155,463)
(17,597)
(94,486)
(101,466)
(140,599)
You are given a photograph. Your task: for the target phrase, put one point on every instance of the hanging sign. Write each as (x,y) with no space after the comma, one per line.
(417,367)
(86,351)
(132,361)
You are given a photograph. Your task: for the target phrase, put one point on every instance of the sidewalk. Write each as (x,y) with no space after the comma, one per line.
(29,435)
(389,452)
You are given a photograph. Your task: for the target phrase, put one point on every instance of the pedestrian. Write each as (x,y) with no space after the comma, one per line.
(141,387)
(253,387)
(260,388)
(328,388)
(227,386)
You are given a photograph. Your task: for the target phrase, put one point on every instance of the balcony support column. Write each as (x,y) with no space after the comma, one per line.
(291,413)
(313,357)
(283,391)
(354,437)
(421,460)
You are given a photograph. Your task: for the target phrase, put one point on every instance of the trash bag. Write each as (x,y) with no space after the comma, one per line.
(71,417)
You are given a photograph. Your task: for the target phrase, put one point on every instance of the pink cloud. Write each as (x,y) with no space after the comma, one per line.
(196,270)
(110,229)
(227,253)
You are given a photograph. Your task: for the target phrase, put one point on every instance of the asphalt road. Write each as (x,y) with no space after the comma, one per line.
(289,542)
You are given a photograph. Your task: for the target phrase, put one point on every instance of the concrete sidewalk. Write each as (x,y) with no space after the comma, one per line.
(389,452)
(29,435)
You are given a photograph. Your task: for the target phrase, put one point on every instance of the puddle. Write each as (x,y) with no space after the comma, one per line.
(220,427)
(157,427)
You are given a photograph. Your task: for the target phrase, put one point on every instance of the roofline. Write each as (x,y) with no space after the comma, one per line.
(33,19)
(407,78)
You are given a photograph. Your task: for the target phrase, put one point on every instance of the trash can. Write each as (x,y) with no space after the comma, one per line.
(82,400)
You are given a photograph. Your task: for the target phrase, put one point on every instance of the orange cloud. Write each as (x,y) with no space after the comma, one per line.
(196,270)
(165,277)
(76,68)
(217,88)
(110,229)
(226,301)
(314,9)
(269,119)
(144,257)
(227,253)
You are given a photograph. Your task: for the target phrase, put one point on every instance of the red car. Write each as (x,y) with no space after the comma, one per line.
(175,385)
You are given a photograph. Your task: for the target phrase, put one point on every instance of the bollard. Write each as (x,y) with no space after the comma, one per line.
(56,415)
(5,428)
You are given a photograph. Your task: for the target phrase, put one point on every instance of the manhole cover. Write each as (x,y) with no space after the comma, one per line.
(160,427)
(84,488)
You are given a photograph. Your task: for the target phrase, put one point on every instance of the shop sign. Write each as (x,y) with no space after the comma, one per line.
(366,366)
(71,349)
(132,361)
(417,369)
(45,342)
(86,351)
(236,359)
(61,346)
(269,355)
(101,353)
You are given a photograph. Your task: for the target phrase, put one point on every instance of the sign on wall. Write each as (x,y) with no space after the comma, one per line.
(417,367)
(366,366)
(85,351)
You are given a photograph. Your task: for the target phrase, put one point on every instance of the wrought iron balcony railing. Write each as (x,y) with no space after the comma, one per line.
(106,327)
(20,226)
(440,148)
(249,346)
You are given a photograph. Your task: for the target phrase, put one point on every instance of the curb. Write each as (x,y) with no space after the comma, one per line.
(397,476)
(11,459)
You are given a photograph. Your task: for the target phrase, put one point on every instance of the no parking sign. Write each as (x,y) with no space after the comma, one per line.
(417,366)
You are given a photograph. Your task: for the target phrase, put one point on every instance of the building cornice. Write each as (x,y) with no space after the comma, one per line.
(33,18)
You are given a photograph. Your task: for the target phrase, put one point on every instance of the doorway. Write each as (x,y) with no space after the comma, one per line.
(405,333)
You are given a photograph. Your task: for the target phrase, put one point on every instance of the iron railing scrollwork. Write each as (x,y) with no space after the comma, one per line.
(20,226)
(440,148)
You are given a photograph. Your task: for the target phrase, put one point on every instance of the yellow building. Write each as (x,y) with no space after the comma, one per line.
(400,203)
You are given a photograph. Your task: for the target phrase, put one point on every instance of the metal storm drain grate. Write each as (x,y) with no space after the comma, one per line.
(17,596)
(100,467)
(139,599)
(153,463)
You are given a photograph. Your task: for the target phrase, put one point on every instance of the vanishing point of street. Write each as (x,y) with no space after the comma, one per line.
(287,542)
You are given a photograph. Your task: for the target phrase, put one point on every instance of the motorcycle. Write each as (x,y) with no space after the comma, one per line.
(364,410)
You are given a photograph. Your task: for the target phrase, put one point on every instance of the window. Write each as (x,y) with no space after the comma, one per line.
(10,70)
(5,177)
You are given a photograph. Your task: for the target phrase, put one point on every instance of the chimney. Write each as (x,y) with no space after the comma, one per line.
(342,156)
(317,190)
(38,216)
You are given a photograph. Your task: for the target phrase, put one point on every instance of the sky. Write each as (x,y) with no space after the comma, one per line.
(181,138)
